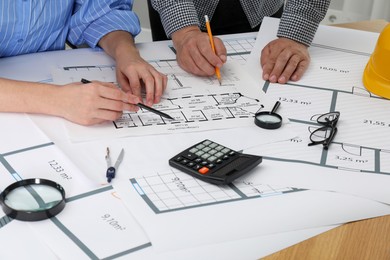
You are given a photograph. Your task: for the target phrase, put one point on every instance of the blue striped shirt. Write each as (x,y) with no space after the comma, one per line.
(28,26)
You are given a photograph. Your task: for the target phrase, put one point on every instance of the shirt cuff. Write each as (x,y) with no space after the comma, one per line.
(114,21)
(297,28)
(178,16)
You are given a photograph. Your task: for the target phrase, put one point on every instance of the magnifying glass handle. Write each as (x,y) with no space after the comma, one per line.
(110,174)
(276,106)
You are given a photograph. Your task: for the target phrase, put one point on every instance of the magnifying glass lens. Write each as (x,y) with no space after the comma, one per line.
(33,197)
(270,118)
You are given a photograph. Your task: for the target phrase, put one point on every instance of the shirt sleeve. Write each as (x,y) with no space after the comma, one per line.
(176,14)
(92,19)
(301,18)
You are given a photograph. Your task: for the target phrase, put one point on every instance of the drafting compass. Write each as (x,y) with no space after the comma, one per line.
(111,170)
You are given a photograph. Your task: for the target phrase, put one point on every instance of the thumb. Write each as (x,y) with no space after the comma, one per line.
(220,49)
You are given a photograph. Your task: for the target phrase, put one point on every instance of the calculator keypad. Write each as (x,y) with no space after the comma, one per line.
(213,162)
(204,156)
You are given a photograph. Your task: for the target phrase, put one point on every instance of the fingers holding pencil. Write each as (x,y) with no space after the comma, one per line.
(194,53)
(209,32)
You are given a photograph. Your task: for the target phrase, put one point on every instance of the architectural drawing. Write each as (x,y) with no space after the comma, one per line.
(197,108)
(83,218)
(196,103)
(359,144)
(177,191)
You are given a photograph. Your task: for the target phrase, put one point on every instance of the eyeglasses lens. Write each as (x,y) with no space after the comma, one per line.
(325,134)
(321,134)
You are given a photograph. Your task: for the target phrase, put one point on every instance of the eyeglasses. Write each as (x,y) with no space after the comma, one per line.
(325,134)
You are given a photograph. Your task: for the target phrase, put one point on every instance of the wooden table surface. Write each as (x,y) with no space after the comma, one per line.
(366,239)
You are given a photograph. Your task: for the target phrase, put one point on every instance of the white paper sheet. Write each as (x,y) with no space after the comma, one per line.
(178,213)
(18,241)
(91,211)
(145,155)
(357,161)
(195,103)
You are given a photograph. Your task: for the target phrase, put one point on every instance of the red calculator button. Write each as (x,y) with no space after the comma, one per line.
(203,170)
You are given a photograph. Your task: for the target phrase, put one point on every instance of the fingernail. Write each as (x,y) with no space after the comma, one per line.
(265,76)
(282,79)
(272,78)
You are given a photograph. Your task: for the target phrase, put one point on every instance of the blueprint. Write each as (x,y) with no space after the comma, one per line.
(356,163)
(237,48)
(195,103)
(93,216)
(169,210)
(166,201)
(360,151)
(174,191)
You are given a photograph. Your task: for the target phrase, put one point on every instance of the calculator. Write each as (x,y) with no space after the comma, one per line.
(214,163)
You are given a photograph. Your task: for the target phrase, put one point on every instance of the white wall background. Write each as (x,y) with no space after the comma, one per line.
(340,11)
(344,11)
(140,7)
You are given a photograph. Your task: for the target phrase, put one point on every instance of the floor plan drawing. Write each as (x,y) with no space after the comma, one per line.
(238,49)
(362,117)
(197,108)
(360,151)
(82,219)
(174,191)
(196,103)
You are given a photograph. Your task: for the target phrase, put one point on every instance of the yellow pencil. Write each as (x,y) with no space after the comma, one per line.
(217,72)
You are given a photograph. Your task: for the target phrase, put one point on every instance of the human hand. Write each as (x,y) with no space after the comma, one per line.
(284,59)
(194,53)
(133,73)
(93,103)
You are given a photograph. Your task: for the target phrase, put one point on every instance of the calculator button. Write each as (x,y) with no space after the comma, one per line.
(213,145)
(207,142)
(199,153)
(211,165)
(206,149)
(212,151)
(204,163)
(196,167)
(225,157)
(178,159)
(205,156)
(198,160)
(219,154)
(219,148)
(189,156)
(191,164)
(193,150)
(200,146)
(226,150)
(184,161)
(203,170)
(219,161)
(212,158)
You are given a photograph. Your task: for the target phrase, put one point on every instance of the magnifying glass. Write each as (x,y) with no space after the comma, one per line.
(33,199)
(269,119)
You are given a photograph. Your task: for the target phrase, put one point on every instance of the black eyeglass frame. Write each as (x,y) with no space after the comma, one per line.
(328,124)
